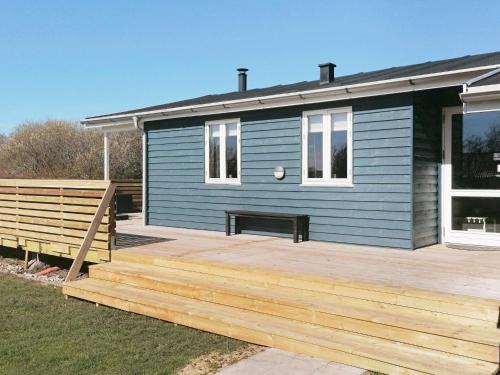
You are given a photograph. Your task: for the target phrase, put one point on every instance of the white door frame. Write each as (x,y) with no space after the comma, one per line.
(447,193)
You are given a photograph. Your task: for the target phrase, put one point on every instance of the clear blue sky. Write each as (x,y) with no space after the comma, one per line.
(70,59)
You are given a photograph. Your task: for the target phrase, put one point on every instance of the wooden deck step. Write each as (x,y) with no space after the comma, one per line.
(454,306)
(333,344)
(397,323)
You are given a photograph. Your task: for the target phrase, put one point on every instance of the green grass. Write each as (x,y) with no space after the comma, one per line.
(42,333)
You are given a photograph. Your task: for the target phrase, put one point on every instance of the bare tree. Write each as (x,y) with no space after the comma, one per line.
(126,155)
(62,149)
(3,139)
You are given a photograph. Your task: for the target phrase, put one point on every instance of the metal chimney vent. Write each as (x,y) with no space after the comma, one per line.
(242,79)
(326,73)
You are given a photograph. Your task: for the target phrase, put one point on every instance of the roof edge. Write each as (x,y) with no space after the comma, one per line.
(374,88)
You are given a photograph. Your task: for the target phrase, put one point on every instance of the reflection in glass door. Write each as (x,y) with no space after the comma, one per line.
(471,178)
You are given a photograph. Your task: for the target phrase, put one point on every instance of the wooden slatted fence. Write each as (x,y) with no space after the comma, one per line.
(133,188)
(53,217)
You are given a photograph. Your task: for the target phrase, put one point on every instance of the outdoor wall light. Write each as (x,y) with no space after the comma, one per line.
(279,172)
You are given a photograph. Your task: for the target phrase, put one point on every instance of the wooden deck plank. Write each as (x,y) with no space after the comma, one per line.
(411,326)
(436,268)
(461,307)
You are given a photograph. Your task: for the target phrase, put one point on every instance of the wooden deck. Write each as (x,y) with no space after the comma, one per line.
(436,268)
(431,311)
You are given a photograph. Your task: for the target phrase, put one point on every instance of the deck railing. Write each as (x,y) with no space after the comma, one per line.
(57,217)
(133,188)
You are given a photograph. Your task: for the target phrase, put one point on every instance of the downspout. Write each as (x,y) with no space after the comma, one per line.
(139,125)
(464,90)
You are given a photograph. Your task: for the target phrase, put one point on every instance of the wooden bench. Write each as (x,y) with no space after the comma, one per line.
(300,223)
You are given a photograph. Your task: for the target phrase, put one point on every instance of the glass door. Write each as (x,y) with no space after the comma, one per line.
(471,178)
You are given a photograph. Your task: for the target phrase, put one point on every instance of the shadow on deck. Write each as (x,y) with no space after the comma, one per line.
(125,240)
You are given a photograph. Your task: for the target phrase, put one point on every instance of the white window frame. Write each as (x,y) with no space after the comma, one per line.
(327,179)
(223,125)
(449,235)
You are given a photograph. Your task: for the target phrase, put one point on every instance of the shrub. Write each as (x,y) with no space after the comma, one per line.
(62,149)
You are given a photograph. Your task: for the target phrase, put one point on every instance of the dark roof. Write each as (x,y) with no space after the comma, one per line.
(494,79)
(430,67)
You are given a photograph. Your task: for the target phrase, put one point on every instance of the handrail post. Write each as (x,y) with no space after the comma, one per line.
(89,236)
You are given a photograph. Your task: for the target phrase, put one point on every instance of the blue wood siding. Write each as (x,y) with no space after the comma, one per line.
(427,149)
(376,211)
(426,159)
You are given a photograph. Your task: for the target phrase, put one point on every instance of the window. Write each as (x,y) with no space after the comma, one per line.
(476,150)
(222,152)
(327,147)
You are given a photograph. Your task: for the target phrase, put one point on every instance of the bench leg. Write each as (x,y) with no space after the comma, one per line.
(295,231)
(237,226)
(228,225)
(305,229)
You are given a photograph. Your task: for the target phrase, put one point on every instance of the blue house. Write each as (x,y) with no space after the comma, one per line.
(403,157)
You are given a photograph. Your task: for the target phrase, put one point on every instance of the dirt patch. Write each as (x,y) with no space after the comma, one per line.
(213,362)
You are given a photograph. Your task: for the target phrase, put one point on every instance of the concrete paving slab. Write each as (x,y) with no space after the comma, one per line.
(278,362)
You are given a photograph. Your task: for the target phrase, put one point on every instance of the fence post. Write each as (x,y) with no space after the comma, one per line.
(89,236)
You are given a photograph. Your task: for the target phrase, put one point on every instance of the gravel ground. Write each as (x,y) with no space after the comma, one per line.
(13,266)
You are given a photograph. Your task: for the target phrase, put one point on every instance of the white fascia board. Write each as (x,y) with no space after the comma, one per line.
(478,90)
(483,106)
(301,99)
(392,86)
(481,98)
(481,93)
(110,126)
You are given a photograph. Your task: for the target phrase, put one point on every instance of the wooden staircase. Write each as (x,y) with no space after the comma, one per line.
(382,328)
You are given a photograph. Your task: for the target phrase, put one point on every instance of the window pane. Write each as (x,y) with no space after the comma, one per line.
(214,151)
(476,150)
(339,145)
(315,146)
(231,150)
(476,214)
